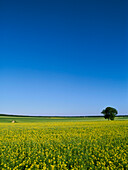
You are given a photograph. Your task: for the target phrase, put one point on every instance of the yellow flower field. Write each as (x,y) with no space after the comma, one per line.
(64,145)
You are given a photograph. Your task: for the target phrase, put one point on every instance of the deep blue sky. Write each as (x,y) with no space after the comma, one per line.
(64,57)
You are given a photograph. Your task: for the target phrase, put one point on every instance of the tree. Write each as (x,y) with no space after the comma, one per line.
(109,113)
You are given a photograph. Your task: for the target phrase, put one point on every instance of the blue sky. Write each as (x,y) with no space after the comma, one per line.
(63,57)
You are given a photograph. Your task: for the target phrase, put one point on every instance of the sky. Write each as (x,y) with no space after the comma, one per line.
(63,58)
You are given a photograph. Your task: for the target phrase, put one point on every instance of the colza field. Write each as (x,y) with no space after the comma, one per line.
(64,145)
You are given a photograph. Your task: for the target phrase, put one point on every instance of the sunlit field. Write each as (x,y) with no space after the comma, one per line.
(64,145)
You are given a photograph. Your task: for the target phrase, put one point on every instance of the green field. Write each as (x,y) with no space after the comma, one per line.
(25,119)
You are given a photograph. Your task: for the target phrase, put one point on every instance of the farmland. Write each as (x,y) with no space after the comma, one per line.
(59,143)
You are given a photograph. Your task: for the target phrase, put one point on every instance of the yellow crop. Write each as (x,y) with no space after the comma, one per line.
(64,145)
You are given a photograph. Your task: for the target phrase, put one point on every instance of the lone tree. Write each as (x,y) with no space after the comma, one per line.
(109,113)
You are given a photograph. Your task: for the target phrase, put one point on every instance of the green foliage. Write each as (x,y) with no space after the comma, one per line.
(109,113)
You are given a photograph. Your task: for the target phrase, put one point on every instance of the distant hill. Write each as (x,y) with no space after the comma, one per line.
(55,116)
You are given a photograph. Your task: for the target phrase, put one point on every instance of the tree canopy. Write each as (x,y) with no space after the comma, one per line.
(109,113)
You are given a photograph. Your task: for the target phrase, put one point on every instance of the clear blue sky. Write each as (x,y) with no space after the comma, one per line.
(65,57)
